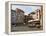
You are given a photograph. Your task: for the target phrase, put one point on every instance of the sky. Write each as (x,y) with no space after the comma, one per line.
(26,9)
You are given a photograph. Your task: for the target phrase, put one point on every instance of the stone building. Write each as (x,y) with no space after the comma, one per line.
(35,14)
(13,16)
(17,16)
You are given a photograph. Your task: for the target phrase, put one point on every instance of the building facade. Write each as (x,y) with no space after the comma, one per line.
(17,16)
(13,16)
(35,14)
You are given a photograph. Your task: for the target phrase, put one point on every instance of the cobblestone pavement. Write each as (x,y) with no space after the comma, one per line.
(24,28)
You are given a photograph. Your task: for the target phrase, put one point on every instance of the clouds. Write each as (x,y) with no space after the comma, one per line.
(26,9)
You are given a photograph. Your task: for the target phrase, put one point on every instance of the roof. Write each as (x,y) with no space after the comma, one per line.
(31,13)
(13,10)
